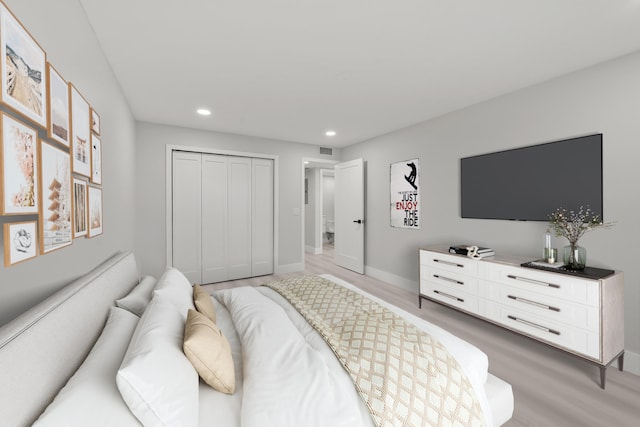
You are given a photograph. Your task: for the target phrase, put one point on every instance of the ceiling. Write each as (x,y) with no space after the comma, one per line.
(293,69)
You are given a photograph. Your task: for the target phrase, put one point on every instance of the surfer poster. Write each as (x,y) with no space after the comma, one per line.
(405,194)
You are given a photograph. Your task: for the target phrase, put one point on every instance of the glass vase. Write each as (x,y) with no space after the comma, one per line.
(575,257)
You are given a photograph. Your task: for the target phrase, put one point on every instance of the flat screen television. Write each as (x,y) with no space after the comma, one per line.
(529,183)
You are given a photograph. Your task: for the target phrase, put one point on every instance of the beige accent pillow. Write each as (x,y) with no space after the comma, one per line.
(203,303)
(209,352)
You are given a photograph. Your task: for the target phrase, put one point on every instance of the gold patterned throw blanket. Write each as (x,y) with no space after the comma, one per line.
(406,377)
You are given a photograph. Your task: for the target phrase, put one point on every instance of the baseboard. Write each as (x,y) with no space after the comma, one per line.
(632,362)
(392,279)
(290,268)
(313,250)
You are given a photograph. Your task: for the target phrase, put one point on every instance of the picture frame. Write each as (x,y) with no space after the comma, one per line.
(18,167)
(23,69)
(80,133)
(96,159)
(95,211)
(20,242)
(55,198)
(80,208)
(95,122)
(59,124)
(404,194)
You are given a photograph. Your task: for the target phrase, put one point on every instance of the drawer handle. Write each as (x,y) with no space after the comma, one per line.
(457,282)
(444,294)
(537,304)
(535,282)
(535,325)
(448,263)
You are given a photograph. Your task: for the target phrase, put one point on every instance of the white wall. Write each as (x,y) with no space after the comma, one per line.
(61,28)
(311,175)
(150,187)
(604,98)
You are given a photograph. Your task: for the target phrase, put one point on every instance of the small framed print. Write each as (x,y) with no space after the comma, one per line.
(56,198)
(58,103)
(18,167)
(80,133)
(23,68)
(80,211)
(96,160)
(95,211)
(95,122)
(20,242)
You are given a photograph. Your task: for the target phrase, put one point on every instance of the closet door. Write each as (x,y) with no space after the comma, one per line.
(214,218)
(186,212)
(239,217)
(262,217)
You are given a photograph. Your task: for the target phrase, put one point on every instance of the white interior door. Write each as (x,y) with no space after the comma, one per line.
(349,220)
(186,206)
(239,217)
(262,217)
(214,218)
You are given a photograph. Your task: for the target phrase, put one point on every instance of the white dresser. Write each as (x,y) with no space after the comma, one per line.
(580,315)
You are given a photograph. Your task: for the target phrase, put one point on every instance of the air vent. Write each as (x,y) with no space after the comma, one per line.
(326,150)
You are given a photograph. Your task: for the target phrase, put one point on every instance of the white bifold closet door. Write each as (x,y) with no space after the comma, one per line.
(231,235)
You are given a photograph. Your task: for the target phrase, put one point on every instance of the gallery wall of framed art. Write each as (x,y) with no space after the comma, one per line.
(50,151)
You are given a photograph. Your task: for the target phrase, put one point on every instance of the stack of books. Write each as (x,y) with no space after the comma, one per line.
(482,252)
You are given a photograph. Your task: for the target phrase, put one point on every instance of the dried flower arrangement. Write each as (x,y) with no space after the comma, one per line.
(573,225)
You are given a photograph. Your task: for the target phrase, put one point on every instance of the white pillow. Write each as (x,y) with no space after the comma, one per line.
(156,380)
(91,397)
(174,287)
(138,299)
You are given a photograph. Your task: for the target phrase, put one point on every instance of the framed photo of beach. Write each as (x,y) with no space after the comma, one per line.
(95,122)
(20,242)
(80,211)
(23,68)
(95,211)
(96,160)
(18,167)
(56,198)
(58,106)
(80,133)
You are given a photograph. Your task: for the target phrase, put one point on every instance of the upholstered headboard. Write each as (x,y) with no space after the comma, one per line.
(42,348)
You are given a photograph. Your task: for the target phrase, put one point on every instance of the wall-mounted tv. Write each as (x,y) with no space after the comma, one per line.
(529,183)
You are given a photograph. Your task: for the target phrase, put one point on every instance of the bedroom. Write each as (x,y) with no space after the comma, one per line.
(599,98)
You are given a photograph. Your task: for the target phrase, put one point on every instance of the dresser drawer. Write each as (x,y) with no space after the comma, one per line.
(449,262)
(574,339)
(545,307)
(455,280)
(582,291)
(449,295)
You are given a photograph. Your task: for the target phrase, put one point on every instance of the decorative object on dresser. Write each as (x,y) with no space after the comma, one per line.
(572,225)
(580,312)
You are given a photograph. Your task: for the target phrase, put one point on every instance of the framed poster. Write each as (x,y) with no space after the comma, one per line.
(80,133)
(23,68)
(95,122)
(96,160)
(58,104)
(80,211)
(95,211)
(56,198)
(20,242)
(18,167)
(405,194)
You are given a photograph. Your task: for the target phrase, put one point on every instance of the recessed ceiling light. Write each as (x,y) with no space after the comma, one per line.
(203,111)
(330,133)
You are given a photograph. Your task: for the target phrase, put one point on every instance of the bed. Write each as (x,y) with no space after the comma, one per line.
(113,349)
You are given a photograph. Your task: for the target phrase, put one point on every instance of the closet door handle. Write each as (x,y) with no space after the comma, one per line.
(535,282)
(537,304)
(457,282)
(535,325)
(444,294)
(358,221)
(448,263)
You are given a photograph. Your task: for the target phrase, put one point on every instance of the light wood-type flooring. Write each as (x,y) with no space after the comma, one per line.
(551,388)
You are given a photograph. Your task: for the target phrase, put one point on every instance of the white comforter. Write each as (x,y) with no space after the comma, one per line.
(288,374)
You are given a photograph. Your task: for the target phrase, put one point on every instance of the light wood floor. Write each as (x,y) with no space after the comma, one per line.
(551,388)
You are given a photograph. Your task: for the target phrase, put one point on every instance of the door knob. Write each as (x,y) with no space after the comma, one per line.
(358,221)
